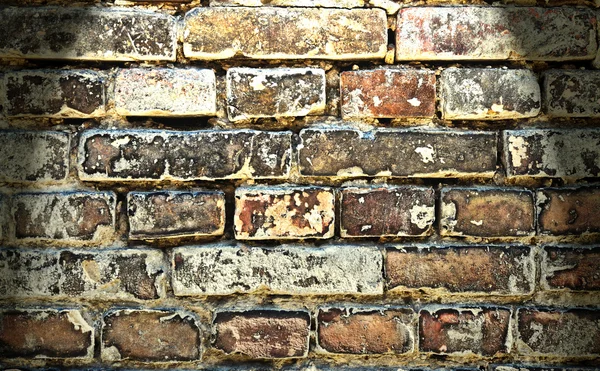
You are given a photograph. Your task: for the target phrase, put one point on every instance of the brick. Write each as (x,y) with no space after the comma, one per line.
(4,216)
(165,92)
(487,212)
(558,332)
(572,93)
(54,93)
(521,367)
(150,336)
(539,153)
(570,268)
(262,333)
(105,34)
(175,214)
(568,210)
(488,33)
(480,331)
(289,270)
(153,155)
(347,152)
(275,92)
(284,212)
(366,330)
(485,270)
(108,274)
(45,333)
(292,3)
(285,33)
(379,211)
(388,93)
(488,94)
(74,217)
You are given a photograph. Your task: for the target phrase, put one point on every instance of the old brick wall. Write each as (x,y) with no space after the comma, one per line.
(300,185)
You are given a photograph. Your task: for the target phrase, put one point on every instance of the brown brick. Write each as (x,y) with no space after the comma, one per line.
(386,211)
(559,332)
(150,336)
(285,33)
(572,93)
(388,93)
(45,333)
(491,212)
(571,268)
(568,210)
(175,214)
(366,331)
(482,331)
(489,270)
(284,212)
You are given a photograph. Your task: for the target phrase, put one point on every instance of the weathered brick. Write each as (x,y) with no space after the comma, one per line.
(191,155)
(555,153)
(284,212)
(388,93)
(275,92)
(165,92)
(558,332)
(481,331)
(150,335)
(262,333)
(487,212)
(366,330)
(488,94)
(487,33)
(568,210)
(521,367)
(289,270)
(108,274)
(572,93)
(102,33)
(175,214)
(285,33)
(292,3)
(76,217)
(386,211)
(4,216)
(348,152)
(487,270)
(570,268)
(45,333)
(54,93)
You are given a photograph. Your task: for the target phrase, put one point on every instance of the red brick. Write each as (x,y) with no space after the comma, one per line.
(568,210)
(571,268)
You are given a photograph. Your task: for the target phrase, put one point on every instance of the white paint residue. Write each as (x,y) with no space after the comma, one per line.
(258,83)
(477,222)
(365,228)
(426,153)
(376,101)
(497,107)
(518,150)
(414,102)
(422,215)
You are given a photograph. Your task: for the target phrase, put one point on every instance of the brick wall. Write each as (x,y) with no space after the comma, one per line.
(300,185)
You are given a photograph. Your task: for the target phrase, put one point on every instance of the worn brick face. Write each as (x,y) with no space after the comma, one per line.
(262,333)
(571,268)
(568,210)
(292,3)
(572,93)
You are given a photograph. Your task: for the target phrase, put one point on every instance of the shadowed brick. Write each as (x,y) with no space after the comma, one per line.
(292,3)
(568,210)
(521,367)
(4,216)
(572,93)
(570,268)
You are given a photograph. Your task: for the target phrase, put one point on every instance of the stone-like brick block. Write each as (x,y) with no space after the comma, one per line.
(34,156)
(4,216)
(45,333)
(388,93)
(105,34)
(568,210)
(175,214)
(53,93)
(366,330)
(558,332)
(521,367)
(285,33)
(554,153)
(487,212)
(284,212)
(75,218)
(380,211)
(153,155)
(274,92)
(487,33)
(570,268)
(262,333)
(165,92)
(288,270)
(348,152)
(572,93)
(150,335)
(109,274)
(488,94)
(480,331)
(292,3)
(481,270)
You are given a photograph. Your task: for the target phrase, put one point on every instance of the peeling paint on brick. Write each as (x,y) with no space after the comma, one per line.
(572,93)
(570,268)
